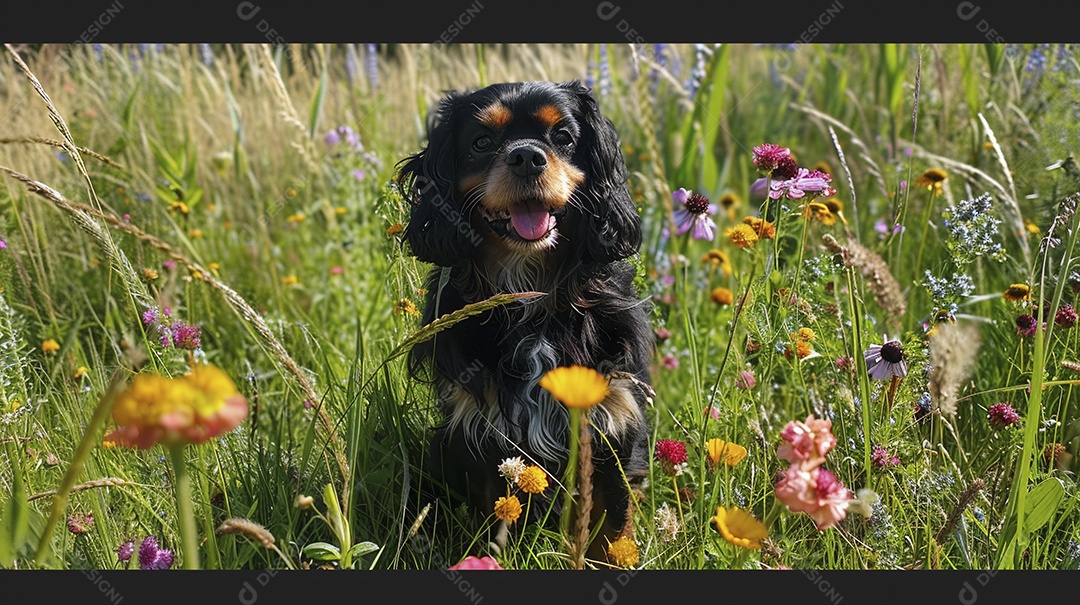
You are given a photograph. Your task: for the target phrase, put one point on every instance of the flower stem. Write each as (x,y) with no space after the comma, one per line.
(570,478)
(189,536)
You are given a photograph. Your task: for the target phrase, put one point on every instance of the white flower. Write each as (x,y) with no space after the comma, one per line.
(511,468)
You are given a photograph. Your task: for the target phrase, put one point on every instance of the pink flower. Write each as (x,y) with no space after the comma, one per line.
(807,442)
(669,361)
(1066,316)
(671,454)
(881,458)
(816,492)
(471,563)
(804,182)
(1026,325)
(713,412)
(745,380)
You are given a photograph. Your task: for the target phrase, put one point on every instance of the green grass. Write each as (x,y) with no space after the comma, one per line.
(280,253)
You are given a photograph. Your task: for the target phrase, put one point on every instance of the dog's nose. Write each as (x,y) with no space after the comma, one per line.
(526,160)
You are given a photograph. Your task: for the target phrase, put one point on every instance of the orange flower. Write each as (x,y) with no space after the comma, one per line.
(50,346)
(722,296)
(194,408)
(762,228)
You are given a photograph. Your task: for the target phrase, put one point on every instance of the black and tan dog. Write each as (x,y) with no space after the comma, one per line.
(522,187)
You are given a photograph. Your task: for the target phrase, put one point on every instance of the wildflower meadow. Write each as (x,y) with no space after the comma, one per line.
(860,261)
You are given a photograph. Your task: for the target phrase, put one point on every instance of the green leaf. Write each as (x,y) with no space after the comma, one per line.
(13,525)
(362,548)
(1042,502)
(320,93)
(322,551)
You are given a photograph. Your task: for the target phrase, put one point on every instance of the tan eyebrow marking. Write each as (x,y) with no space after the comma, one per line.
(495,116)
(548,115)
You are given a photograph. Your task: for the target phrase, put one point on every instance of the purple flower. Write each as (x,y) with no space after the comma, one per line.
(767,157)
(150,315)
(152,557)
(185,336)
(1026,325)
(804,182)
(358,174)
(881,458)
(759,189)
(3,245)
(80,523)
(166,336)
(124,551)
(1001,415)
(694,213)
(886,360)
(1066,316)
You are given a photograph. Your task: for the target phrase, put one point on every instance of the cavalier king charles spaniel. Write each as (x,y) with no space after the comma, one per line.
(522,188)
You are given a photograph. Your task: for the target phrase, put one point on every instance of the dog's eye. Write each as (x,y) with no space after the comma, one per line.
(562,137)
(482,143)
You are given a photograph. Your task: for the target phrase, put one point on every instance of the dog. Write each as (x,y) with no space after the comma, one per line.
(522,187)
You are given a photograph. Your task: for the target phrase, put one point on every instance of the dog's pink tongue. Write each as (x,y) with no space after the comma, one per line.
(531,220)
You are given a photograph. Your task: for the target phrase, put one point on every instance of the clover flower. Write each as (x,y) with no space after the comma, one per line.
(672,455)
(1066,316)
(1002,415)
(882,458)
(153,557)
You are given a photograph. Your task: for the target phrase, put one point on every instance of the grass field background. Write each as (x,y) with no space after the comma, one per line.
(246,191)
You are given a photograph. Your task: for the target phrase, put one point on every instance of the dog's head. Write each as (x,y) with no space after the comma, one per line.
(520,168)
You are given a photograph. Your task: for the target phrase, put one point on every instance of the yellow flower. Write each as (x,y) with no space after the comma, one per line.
(194,408)
(340,210)
(180,207)
(291,192)
(762,228)
(805,334)
(13,405)
(213,267)
(289,280)
(722,296)
(623,552)
(296,218)
(836,207)
(532,480)
(80,372)
(932,179)
(577,387)
(1031,227)
(50,346)
(820,212)
(730,202)
(394,229)
(726,452)
(1017,292)
(407,307)
(743,235)
(739,527)
(150,274)
(508,509)
(716,258)
(108,443)
(195,233)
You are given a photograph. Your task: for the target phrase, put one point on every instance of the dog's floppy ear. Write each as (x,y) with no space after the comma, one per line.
(437,232)
(610,222)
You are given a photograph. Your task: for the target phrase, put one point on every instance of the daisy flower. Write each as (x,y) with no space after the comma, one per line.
(886,360)
(695,214)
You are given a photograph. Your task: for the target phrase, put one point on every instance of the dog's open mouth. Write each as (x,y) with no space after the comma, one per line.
(529,220)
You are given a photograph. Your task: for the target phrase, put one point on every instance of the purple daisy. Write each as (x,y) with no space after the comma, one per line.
(695,213)
(805,182)
(886,360)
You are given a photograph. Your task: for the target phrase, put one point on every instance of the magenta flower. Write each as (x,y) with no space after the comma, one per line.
(662,334)
(80,523)
(1001,415)
(671,454)
(185,336)
(805,182)
(124,551)
(1066,316)
(886,360)
(768,157)
(694,213)
(472,563)
(150,315)
(882,458)
(153,557)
